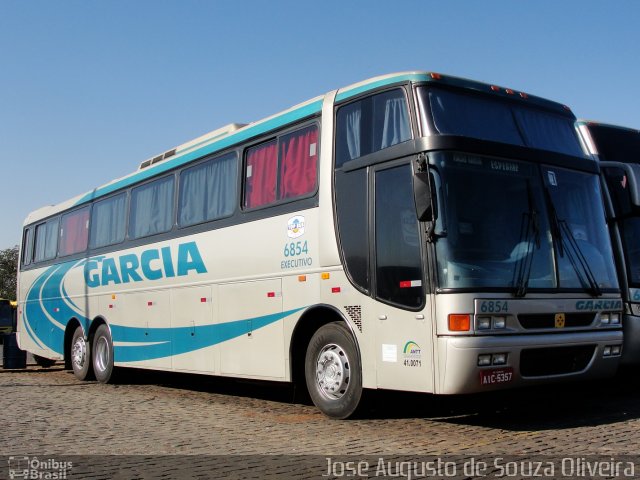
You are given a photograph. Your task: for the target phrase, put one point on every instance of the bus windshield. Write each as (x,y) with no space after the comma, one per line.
(627,220)
(518,225)
(470,115)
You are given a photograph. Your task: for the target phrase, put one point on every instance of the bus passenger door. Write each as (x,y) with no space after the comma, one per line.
(401,308)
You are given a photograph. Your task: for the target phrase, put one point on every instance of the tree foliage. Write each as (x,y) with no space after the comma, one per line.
(8,272)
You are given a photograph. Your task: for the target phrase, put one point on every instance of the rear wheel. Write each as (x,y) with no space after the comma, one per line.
(333,371)
(81,356)
(103,354)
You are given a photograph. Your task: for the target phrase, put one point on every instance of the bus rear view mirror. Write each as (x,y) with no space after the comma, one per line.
(422,196)
(629,181)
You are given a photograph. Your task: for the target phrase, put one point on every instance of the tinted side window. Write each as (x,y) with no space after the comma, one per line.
(351,209)
(281,169)
(298,162)
(260,184)
(398,259)
(208,191)
(371,124)
(152,208)
(108,221)
(74,232)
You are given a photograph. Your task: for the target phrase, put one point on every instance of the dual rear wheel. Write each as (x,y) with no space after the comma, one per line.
(92,359)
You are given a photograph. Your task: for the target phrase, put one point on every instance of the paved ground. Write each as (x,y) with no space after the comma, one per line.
(48,413)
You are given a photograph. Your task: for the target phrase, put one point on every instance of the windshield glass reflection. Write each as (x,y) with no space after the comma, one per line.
(494,227)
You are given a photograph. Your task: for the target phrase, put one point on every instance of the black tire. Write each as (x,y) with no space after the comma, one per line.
(43,361)
(102,356)
(81,356)
(333,371)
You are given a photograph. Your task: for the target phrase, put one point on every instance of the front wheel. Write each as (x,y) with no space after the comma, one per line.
(333,371)
(103,354)
(81,356)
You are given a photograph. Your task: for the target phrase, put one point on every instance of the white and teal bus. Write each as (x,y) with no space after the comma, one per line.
(414,232)
(618,150)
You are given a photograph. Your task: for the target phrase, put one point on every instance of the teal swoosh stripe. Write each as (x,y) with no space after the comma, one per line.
(47,299)
(32,335)
(44,301)
(175,341)
(415,77)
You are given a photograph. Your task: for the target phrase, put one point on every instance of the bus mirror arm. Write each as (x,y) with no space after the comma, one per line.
(422,189)
(632,172)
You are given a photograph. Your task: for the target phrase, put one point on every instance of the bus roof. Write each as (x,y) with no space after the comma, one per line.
(232,134)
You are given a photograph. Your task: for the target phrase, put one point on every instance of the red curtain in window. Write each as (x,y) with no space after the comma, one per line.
(262,164)
(75,233)
(299,160)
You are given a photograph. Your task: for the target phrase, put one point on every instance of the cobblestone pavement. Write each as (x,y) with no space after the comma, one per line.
(49,412)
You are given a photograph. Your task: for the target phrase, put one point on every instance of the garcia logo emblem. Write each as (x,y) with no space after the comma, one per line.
(560,320)
(295,226)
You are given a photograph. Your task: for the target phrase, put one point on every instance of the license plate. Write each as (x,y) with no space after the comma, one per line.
(496,376)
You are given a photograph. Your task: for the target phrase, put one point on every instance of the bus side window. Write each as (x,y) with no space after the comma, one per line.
(260,175)
(27,247)
(208,191)
(46,240)
(281,169)
(371,124)
(74,232)
(298,162)
(108,221)
(152,208)
(397,237)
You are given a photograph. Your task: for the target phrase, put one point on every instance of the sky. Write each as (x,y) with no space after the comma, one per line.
(89,89)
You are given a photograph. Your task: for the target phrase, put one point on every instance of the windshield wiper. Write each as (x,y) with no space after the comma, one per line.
(530,235)
(567,243)
(591,279)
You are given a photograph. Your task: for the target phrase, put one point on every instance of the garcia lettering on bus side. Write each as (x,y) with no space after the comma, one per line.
(152,264)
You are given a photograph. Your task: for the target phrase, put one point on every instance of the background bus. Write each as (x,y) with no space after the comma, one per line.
(7,316)
(613,144)
(413,231)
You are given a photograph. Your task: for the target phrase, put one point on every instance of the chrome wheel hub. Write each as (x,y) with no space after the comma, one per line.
(332,371)
(101,354)
(79,352)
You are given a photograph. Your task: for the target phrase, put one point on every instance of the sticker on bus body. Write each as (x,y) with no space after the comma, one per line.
(295,226)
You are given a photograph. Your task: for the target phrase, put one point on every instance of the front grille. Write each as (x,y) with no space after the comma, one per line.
(532,321)
(539,362)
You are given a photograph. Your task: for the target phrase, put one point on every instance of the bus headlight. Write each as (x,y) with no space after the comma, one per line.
(488,323)
(484,360)
(499,359)
(604,319)
(499,322)
(615,319)
(484,323)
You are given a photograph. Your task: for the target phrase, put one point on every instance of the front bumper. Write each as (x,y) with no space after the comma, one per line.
(531,360)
